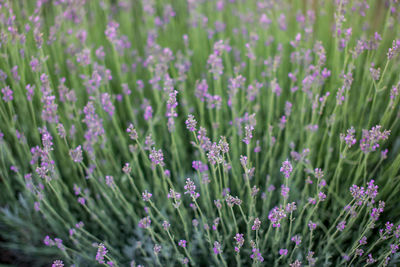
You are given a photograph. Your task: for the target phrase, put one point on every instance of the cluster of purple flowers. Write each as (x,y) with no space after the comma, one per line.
(286,168)
(145,222)
(156,157)
(101,253)
(239,242)
(190,188)
(276,215)
(370,138)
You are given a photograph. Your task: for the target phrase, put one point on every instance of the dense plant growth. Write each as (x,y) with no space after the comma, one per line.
(199,132)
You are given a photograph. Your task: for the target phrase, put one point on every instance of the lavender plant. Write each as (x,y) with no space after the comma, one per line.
(199,133)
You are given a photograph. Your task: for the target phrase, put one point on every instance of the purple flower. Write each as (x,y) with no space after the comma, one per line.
(290,207)
(363,240)
(256,255)
(7,94)
(145,222)
(285,191)
(146,196)
(83,57)
(59,243)
(321,196)
(376,212)
(14,72)
(76,154)
(48,241)
(127,168)
(296,263)
(157,249)
(223,145)
(30,90)
(372,190)
(310,258)
(359,252)
(190,188)
(171,113)
(394,93)
(199,166)
(286,168)
(95,128)
(217,248)
(386,261)
(218,204)
(81,200)
(215,64)
(256,225)
(101,253)
(370,259)
(243,161)
(166,225)
(248,134)
(275,216)
(107,104)
(325,73)
(312,225)
(132,132)
(3,75)
(185,261)
(297,40)
(369,140)
(394,50)
(296,239)
(14,168)
(234,85)
(254,191)
(49,112)
(257,149)
(173,194)
(318,173)
(111,31)
(226,191)
(358,193)
(276,89)
(191,123)
(388,227)
(182,243)
(100,53)
(148,113)
(282,22)
(201,90)
(265,21)
(58,263)
(61,130)
(110,181)
(384,153)
(271,188)
(36,206)
(341,226)
(230,201)
(282,122)
(34,63)
(283,252)
(239,241)
(176,197)
(156,157)
(375,73)
(394,248)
